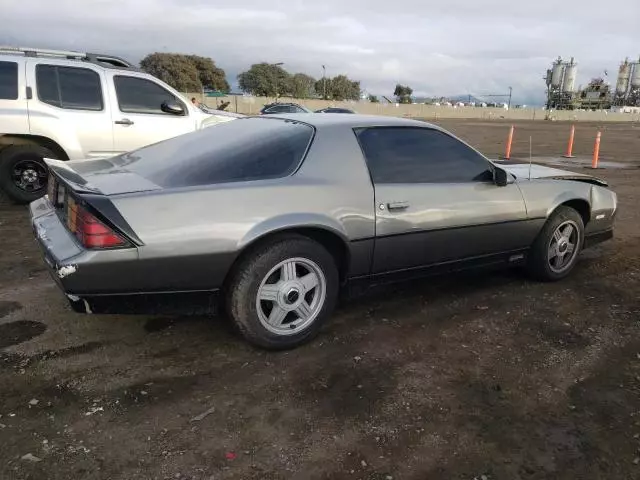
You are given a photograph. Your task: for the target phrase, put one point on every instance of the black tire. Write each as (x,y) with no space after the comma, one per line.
(242,289)
(538,263)
(15,156)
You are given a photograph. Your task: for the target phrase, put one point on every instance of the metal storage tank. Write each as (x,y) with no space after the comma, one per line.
(557,72)
(570,73)
(623,78)
(635,78)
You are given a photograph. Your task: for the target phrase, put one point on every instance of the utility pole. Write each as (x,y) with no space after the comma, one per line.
(324,82)
(277,65)
(510,92)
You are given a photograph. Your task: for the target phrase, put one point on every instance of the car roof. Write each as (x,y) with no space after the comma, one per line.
(353,121)
(281,103)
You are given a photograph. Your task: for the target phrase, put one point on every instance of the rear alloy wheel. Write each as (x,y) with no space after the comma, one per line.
(282,293)
(555,251)
(23,173)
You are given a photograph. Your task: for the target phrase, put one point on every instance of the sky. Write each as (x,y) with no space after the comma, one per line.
(438,48)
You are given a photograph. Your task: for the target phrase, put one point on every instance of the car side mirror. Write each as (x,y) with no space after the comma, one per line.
(172,108)
(500,177)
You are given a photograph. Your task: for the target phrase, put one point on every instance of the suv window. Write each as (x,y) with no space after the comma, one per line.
(420,155)
(69,87)
(8,81)
(242,150)
(139,95)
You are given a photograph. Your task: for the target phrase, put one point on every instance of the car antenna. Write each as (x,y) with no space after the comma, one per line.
(530,157)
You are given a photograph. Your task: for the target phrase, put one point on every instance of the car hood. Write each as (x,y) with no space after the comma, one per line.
(522,171)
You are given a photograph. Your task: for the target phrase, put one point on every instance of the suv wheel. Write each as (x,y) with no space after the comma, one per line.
(23,173)
(282,293)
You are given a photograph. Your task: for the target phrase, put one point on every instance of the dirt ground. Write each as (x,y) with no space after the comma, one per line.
(466,377)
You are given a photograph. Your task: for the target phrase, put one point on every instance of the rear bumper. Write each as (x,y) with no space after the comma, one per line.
(597,237)
(76,270)
(106,281)
(166,303)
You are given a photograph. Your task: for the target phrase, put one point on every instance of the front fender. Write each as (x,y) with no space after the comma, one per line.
(568,196)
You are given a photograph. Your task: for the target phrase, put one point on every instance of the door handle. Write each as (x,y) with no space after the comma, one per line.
(124,121)
(398,205)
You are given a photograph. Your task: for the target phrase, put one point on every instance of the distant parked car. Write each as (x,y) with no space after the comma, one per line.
(73,105)
(278,212)
(272,108)
(334,110)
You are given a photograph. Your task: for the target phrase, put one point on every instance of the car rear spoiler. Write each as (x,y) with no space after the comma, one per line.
(70,176)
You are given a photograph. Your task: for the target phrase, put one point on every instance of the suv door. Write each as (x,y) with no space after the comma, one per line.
(436,201)
(138,116)
(70,106)
(14,117)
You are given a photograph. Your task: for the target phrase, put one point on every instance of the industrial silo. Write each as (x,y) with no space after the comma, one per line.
(570,73)
(623,78)
(557,72)
(635,77)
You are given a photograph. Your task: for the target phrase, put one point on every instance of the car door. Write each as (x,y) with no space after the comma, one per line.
(138,116)
(436,201)
(70,105)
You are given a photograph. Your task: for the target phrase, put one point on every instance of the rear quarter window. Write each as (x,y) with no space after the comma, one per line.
(8,81)
(241,150)
(72,88)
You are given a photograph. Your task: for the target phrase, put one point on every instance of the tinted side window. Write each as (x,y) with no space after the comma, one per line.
(69,87)
(8,81)
(279,109)
(138,95)
(243,150)
(420,155)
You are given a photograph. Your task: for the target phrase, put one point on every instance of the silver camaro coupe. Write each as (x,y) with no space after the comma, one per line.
(271,216)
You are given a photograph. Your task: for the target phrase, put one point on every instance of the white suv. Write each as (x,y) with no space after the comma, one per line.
(71,105)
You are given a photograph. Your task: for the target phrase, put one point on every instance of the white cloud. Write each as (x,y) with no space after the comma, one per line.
(438,48)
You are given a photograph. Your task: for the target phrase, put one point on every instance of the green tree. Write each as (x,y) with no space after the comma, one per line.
(373,99)
(262,80)
(323,85)
(187,73)
(174,69)
(302,86)
(339,88)
(211,76)
(403,93)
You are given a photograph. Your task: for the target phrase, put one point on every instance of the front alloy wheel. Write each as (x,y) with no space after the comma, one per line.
(555,251)
(562,246)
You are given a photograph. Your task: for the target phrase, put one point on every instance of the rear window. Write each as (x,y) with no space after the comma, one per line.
(239,150)
(69,87)
(8,81)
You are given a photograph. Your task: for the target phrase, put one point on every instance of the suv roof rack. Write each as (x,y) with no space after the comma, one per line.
(104,60)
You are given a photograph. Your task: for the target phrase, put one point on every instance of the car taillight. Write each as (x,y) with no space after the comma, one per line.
(52,190)
(91,232)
